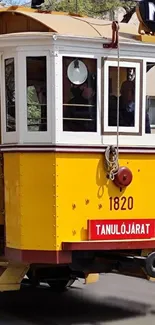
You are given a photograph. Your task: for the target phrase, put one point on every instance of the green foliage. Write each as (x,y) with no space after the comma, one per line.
(84,7)
(128,5)
(34,109)
(49,5)
(92,8)
(105,6)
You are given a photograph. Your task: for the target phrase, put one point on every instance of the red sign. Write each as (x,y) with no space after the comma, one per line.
(121,229)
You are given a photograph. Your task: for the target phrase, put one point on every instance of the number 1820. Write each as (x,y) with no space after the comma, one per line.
(121,203)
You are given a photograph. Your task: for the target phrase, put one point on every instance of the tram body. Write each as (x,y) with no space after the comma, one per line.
(71,204)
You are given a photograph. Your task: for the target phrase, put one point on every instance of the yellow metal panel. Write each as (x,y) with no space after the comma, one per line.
(12,199)
(38,216)
(83,192)
(30,200)
(50,196)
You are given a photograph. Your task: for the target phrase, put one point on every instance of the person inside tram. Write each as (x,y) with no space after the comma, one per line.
(126,107)
(82,112)
(127,103)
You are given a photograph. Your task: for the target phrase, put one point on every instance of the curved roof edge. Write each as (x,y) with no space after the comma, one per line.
(67,23)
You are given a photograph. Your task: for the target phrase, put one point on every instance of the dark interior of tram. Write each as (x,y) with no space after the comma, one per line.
(80,100)
(36,94)
(150,94)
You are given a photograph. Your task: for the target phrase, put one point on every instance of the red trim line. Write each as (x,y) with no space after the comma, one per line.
(65,256)
(36,256)
(105,246)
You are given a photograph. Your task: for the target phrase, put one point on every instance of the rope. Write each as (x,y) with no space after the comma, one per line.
(112,164)
(112,154)
(118,87)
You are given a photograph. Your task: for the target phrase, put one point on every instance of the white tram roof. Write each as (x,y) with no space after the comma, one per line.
(17,19)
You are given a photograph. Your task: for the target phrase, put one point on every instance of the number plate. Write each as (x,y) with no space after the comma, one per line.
(121,229)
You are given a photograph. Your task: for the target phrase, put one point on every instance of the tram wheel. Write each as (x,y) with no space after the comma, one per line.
(60,285)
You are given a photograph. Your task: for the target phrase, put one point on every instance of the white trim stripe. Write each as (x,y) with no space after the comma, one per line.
(72,149)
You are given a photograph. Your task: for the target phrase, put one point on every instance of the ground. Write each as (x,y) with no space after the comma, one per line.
(114,300)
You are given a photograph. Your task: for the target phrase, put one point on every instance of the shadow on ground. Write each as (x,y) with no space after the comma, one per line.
(41,306)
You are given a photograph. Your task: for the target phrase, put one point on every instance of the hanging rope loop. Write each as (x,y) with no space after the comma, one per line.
(111,162)
(114,41)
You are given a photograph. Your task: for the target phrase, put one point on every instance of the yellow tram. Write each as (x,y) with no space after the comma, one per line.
(77,147)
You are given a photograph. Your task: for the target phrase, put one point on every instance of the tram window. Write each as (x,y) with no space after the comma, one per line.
(79,95)
(10,95)
(126,97)
(36,94)
(150,98)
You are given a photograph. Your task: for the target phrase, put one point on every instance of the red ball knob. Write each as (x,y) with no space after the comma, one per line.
(123,178)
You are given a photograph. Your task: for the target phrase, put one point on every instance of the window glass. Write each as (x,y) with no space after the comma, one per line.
(10,95)
(36,94)
(79,95)
(150,98)
(126,97)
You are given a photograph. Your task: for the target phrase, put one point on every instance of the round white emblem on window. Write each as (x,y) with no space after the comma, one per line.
(77,72)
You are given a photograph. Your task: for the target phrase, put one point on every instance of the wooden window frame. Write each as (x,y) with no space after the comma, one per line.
(69,137)
(11,136)
(106,63)
(26,135)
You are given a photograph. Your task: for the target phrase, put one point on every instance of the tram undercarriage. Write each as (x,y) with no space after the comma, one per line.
(88,265)
(85,265)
